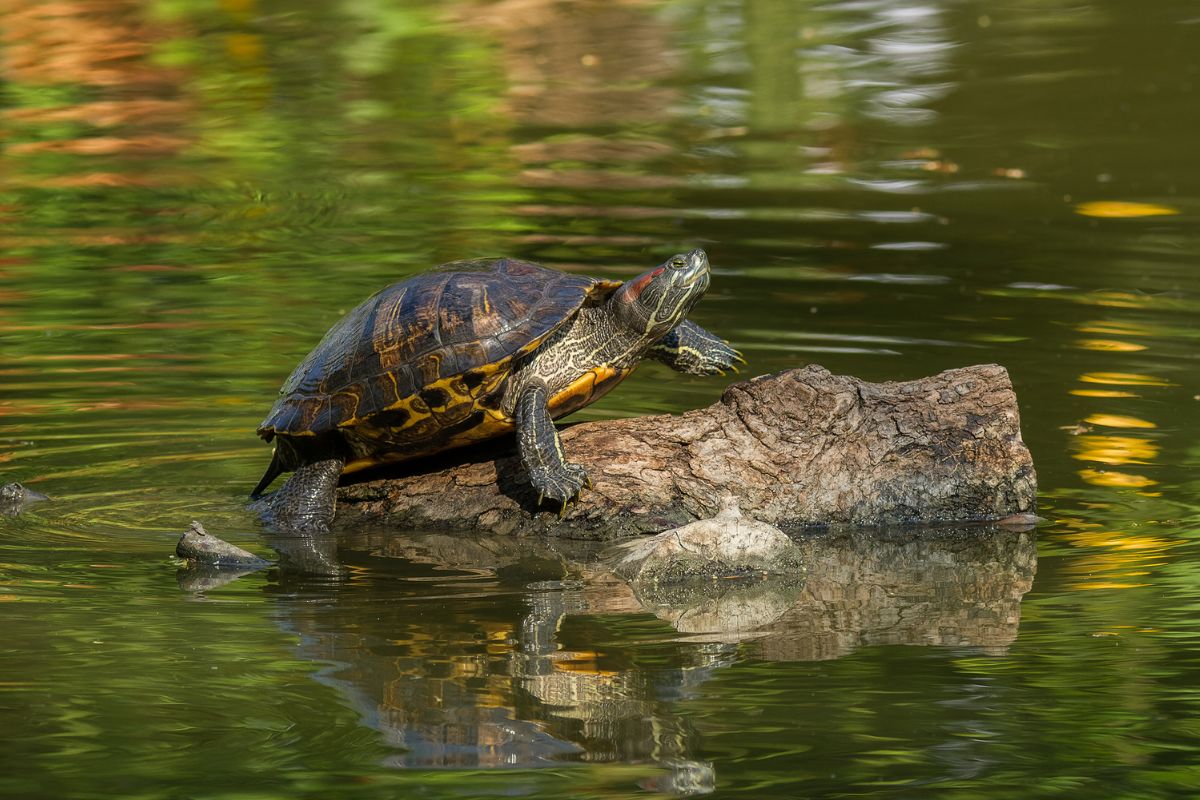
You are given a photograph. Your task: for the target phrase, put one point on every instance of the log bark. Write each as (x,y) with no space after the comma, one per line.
(797,449)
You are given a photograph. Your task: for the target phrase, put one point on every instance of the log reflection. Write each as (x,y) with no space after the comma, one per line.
(499,651)
(952,588)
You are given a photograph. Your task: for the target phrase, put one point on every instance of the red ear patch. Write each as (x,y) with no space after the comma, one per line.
(638,284)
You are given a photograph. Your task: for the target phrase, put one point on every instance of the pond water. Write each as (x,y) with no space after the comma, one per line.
(194,190)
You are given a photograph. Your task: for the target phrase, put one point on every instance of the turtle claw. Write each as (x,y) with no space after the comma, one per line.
(723,359)
(562,485)
(737,358)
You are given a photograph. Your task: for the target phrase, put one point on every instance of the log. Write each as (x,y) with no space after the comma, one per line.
(797,449)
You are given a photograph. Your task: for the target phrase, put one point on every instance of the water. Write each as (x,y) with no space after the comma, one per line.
(193,191)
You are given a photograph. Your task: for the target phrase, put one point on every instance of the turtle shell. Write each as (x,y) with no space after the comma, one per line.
(421,364)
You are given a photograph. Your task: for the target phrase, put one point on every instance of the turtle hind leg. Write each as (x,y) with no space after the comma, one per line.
(305,503)
(541,450)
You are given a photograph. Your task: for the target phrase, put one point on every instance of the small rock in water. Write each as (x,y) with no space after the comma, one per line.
(14,497)
(198,546)
(728,544)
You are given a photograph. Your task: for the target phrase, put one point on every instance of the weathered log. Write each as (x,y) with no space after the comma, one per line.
(800,448)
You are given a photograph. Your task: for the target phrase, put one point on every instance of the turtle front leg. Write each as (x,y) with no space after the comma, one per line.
(691,349)
(305,503)
(541,450)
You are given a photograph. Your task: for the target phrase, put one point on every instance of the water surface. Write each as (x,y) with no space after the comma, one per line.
(193,191)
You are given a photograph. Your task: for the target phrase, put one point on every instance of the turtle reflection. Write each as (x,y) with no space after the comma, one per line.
(547,658)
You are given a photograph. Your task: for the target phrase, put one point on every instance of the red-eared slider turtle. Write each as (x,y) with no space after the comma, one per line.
(470,351)
(14,497)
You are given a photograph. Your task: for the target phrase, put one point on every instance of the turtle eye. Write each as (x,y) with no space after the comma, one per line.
(678,262)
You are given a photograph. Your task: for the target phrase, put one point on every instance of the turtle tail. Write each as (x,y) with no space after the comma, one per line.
(275,469)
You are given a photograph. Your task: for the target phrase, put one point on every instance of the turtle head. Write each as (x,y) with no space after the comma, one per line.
(657,301)
(14,497)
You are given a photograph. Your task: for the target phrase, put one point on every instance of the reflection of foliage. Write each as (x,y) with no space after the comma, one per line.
(178,225)
(198,273)
(386,29)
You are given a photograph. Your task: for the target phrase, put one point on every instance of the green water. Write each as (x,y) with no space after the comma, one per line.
(192,191)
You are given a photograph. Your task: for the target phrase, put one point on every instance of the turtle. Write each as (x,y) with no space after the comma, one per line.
(469,351)
(14,498)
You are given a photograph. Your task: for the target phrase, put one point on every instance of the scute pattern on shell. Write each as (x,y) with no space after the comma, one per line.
(435,327)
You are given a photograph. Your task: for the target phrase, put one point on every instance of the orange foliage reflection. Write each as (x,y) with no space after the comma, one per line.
(90,88)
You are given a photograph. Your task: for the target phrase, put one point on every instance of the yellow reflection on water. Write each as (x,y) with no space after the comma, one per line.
(1116,480)
(1119,299)
(585,662)
(1118,209)
(1116,328)
(1116,449)
(1122,542)
(1102,393)
(1116,559)
(1109,345)
(1119,421)
(1123,379)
